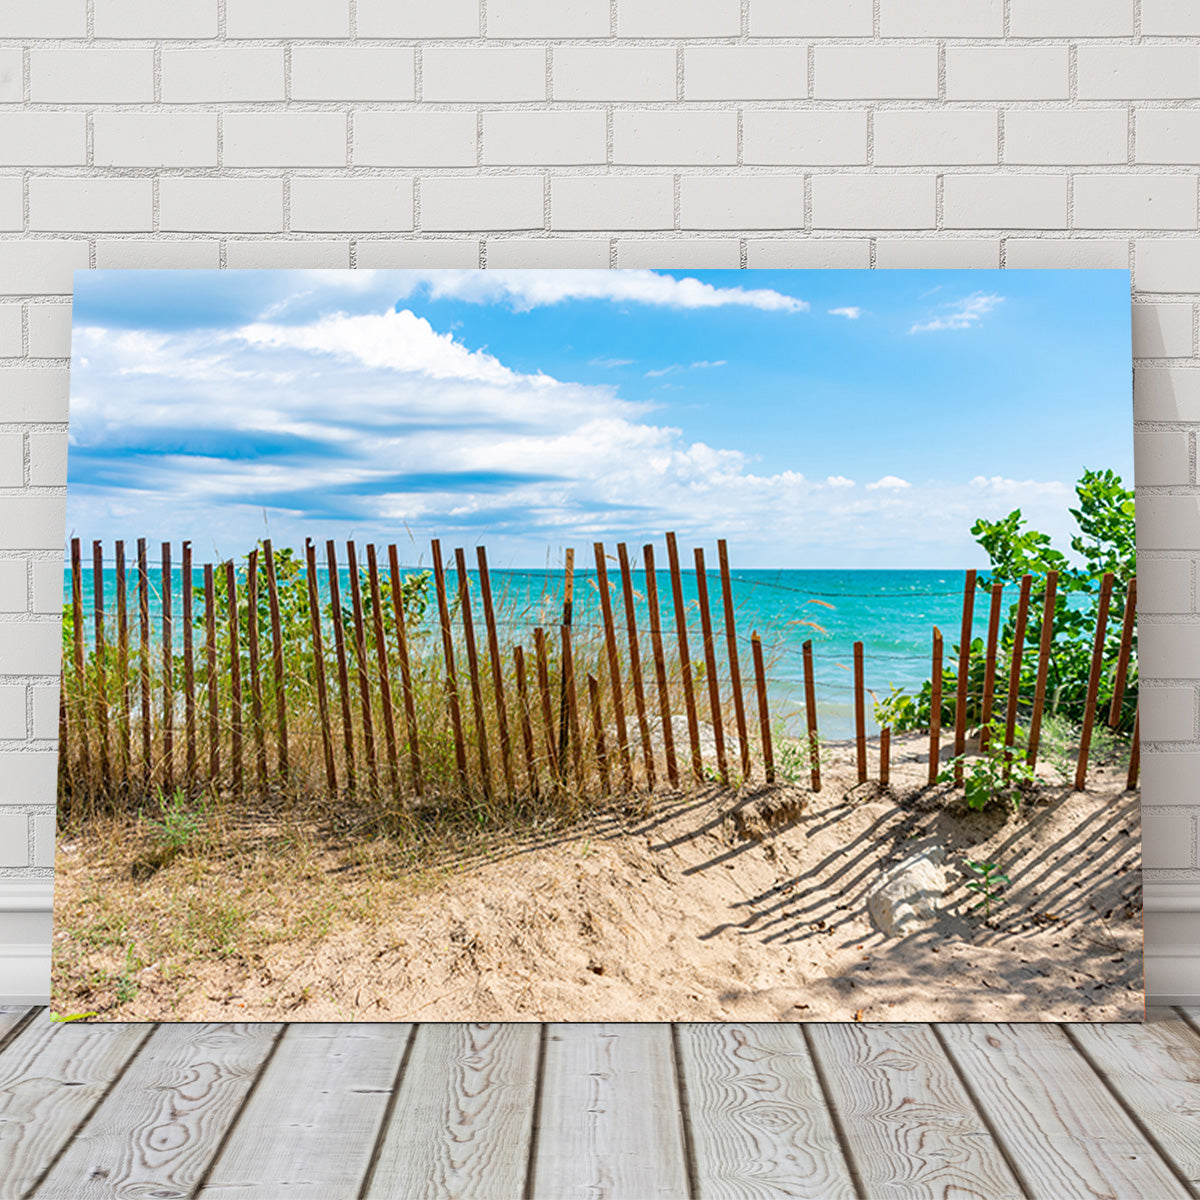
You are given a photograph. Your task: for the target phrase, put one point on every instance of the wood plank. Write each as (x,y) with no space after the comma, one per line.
(11,1019)
(51,1076)
(163,1121)
(1059,1124)
(311,1124)
(463,1116)
(610,1123)
(759,1125)
(909,1125)
(1155,1070)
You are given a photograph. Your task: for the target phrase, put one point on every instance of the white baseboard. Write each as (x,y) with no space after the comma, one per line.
(24,974)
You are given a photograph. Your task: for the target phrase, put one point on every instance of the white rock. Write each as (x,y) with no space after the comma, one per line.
(906,897)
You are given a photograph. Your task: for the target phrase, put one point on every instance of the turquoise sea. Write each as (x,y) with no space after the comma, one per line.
(891,612)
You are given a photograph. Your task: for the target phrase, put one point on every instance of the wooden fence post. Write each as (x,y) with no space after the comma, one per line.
(685,661)
(526,722)
(1014,677)
(410,711)
(497,664)
(451,683)
(168,679)
(98,658)
(660,666)
(567,727)
(635,663)
(964,671)
(1118,696)
(339,644)
(1044,648)
(144,660)
(598,733)
(314,613)
(571,717)
(710,666)
(235,680)
(464,605)
(764,716)
(885,755)
(123,663)
(1135,751)
(277,661)
(543,674)
(989,670)
(614,665)
(256,706)
(1089,713)
(79,715)
(189,672)
(735,674)
(810,708)
(935,707)
(362,670)
(860,715)
(210,646)
(385,679)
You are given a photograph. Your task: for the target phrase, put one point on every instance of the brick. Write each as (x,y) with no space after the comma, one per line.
(614,73)
(876,72)
(487,74)
(1164,585)
(12,713)
(48,459)
(155,19)
(1167,266)
(418,18)
(1004,202)
(1167,651)
(1169,841)
(787,137)
(311,139)
(418,252)
(29,394)
(219,76)
(1066,253)
(10,331)
(557,138)
(43,139)
(1167,135)
(1162,330)
(1166,394)
(745,73)
(12,214)
(12,460)
(698,18)
(31,648)
(1168,523)
(1170,18)
(415,139)
(30,522)
(1135,201)
(1138,72)
(811,18)
(353,73)
(45,710)
(170,139)
(29,776)
(272,256)
(1170,778)
(287,18)
(485,202)
(1006,73)
(811,253)
(50,19)
(48,580)
(91,76)
(112,205)
(1161,458)
(941,18)
(673,136)
(547,18)
(158,253)
(873,202)
(688,253)
(220,205)
(14,839)
(43,834)
(49,330)
(606,202)
(12,76)
(337,205)
(956,136)
(1072,18)
(14,586)
(547,252)
(737,202)
(1050,137)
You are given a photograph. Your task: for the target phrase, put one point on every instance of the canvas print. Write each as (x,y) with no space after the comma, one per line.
(599,645)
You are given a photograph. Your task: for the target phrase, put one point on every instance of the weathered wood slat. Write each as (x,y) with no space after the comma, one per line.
(610,1123)
(759,1126)
(989,666)
(685,658)
(710,666)
(1044,647)
(635,664)
(964,672)
(1059,1124)
(157,1130)
(660,666)
(463,1116)
(908,1123)
(935,706)
(735,674)
(11,1018)
(310,1127)
(614,665)
(860,714)
(51,1075)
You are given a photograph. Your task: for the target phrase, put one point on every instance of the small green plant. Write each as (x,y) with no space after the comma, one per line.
(794,758)
(991,776)
(179,824)
(897,711)
(126,984)
(985,883)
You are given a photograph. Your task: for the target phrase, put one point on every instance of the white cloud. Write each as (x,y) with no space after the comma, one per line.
(703,365)
(661,371)
(610,362)
(889,483)
(961,314)
(839,481)
(851,312)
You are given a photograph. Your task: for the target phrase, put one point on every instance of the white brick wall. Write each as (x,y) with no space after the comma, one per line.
(764,133)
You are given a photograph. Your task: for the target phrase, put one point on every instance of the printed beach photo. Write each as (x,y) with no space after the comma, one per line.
(618,645)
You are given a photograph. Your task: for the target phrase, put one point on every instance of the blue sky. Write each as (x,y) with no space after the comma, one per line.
(814,418)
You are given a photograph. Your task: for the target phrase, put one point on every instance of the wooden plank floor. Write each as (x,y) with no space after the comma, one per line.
(602,1112)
